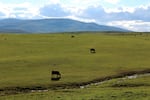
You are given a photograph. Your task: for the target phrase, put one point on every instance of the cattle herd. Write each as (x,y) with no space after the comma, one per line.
(55,75)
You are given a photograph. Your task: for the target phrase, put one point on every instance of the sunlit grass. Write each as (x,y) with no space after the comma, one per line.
(27,59)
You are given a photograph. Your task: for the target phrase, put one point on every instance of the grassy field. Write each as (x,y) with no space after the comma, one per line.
(116,89)
(26,60)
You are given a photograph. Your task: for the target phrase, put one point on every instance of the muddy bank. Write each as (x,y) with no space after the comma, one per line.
(17,90)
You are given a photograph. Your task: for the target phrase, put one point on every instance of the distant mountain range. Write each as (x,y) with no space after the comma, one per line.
(52,26)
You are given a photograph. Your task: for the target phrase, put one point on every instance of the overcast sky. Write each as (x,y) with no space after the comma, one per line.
(130,14)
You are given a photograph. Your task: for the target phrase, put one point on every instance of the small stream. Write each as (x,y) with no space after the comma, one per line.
(104,81)
(123,78)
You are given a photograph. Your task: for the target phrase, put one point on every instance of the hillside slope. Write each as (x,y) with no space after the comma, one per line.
(51,26)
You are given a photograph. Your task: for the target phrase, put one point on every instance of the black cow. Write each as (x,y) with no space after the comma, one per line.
(55,75)
(92,50)
(72,36)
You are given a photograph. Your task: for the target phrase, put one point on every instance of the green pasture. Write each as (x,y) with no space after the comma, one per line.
(26,60)
(116,89)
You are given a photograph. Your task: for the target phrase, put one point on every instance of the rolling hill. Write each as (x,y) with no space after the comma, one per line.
(51,26)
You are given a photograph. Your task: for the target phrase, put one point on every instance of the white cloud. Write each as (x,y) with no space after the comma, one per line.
(112,1)
(54,10)
(125,17)
(84,3)
(23,10)
(54,2)
(120,9)
(135,25)
(94,12)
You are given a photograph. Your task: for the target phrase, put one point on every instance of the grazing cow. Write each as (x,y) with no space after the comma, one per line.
(72,36)
(55,75)
(92,50)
